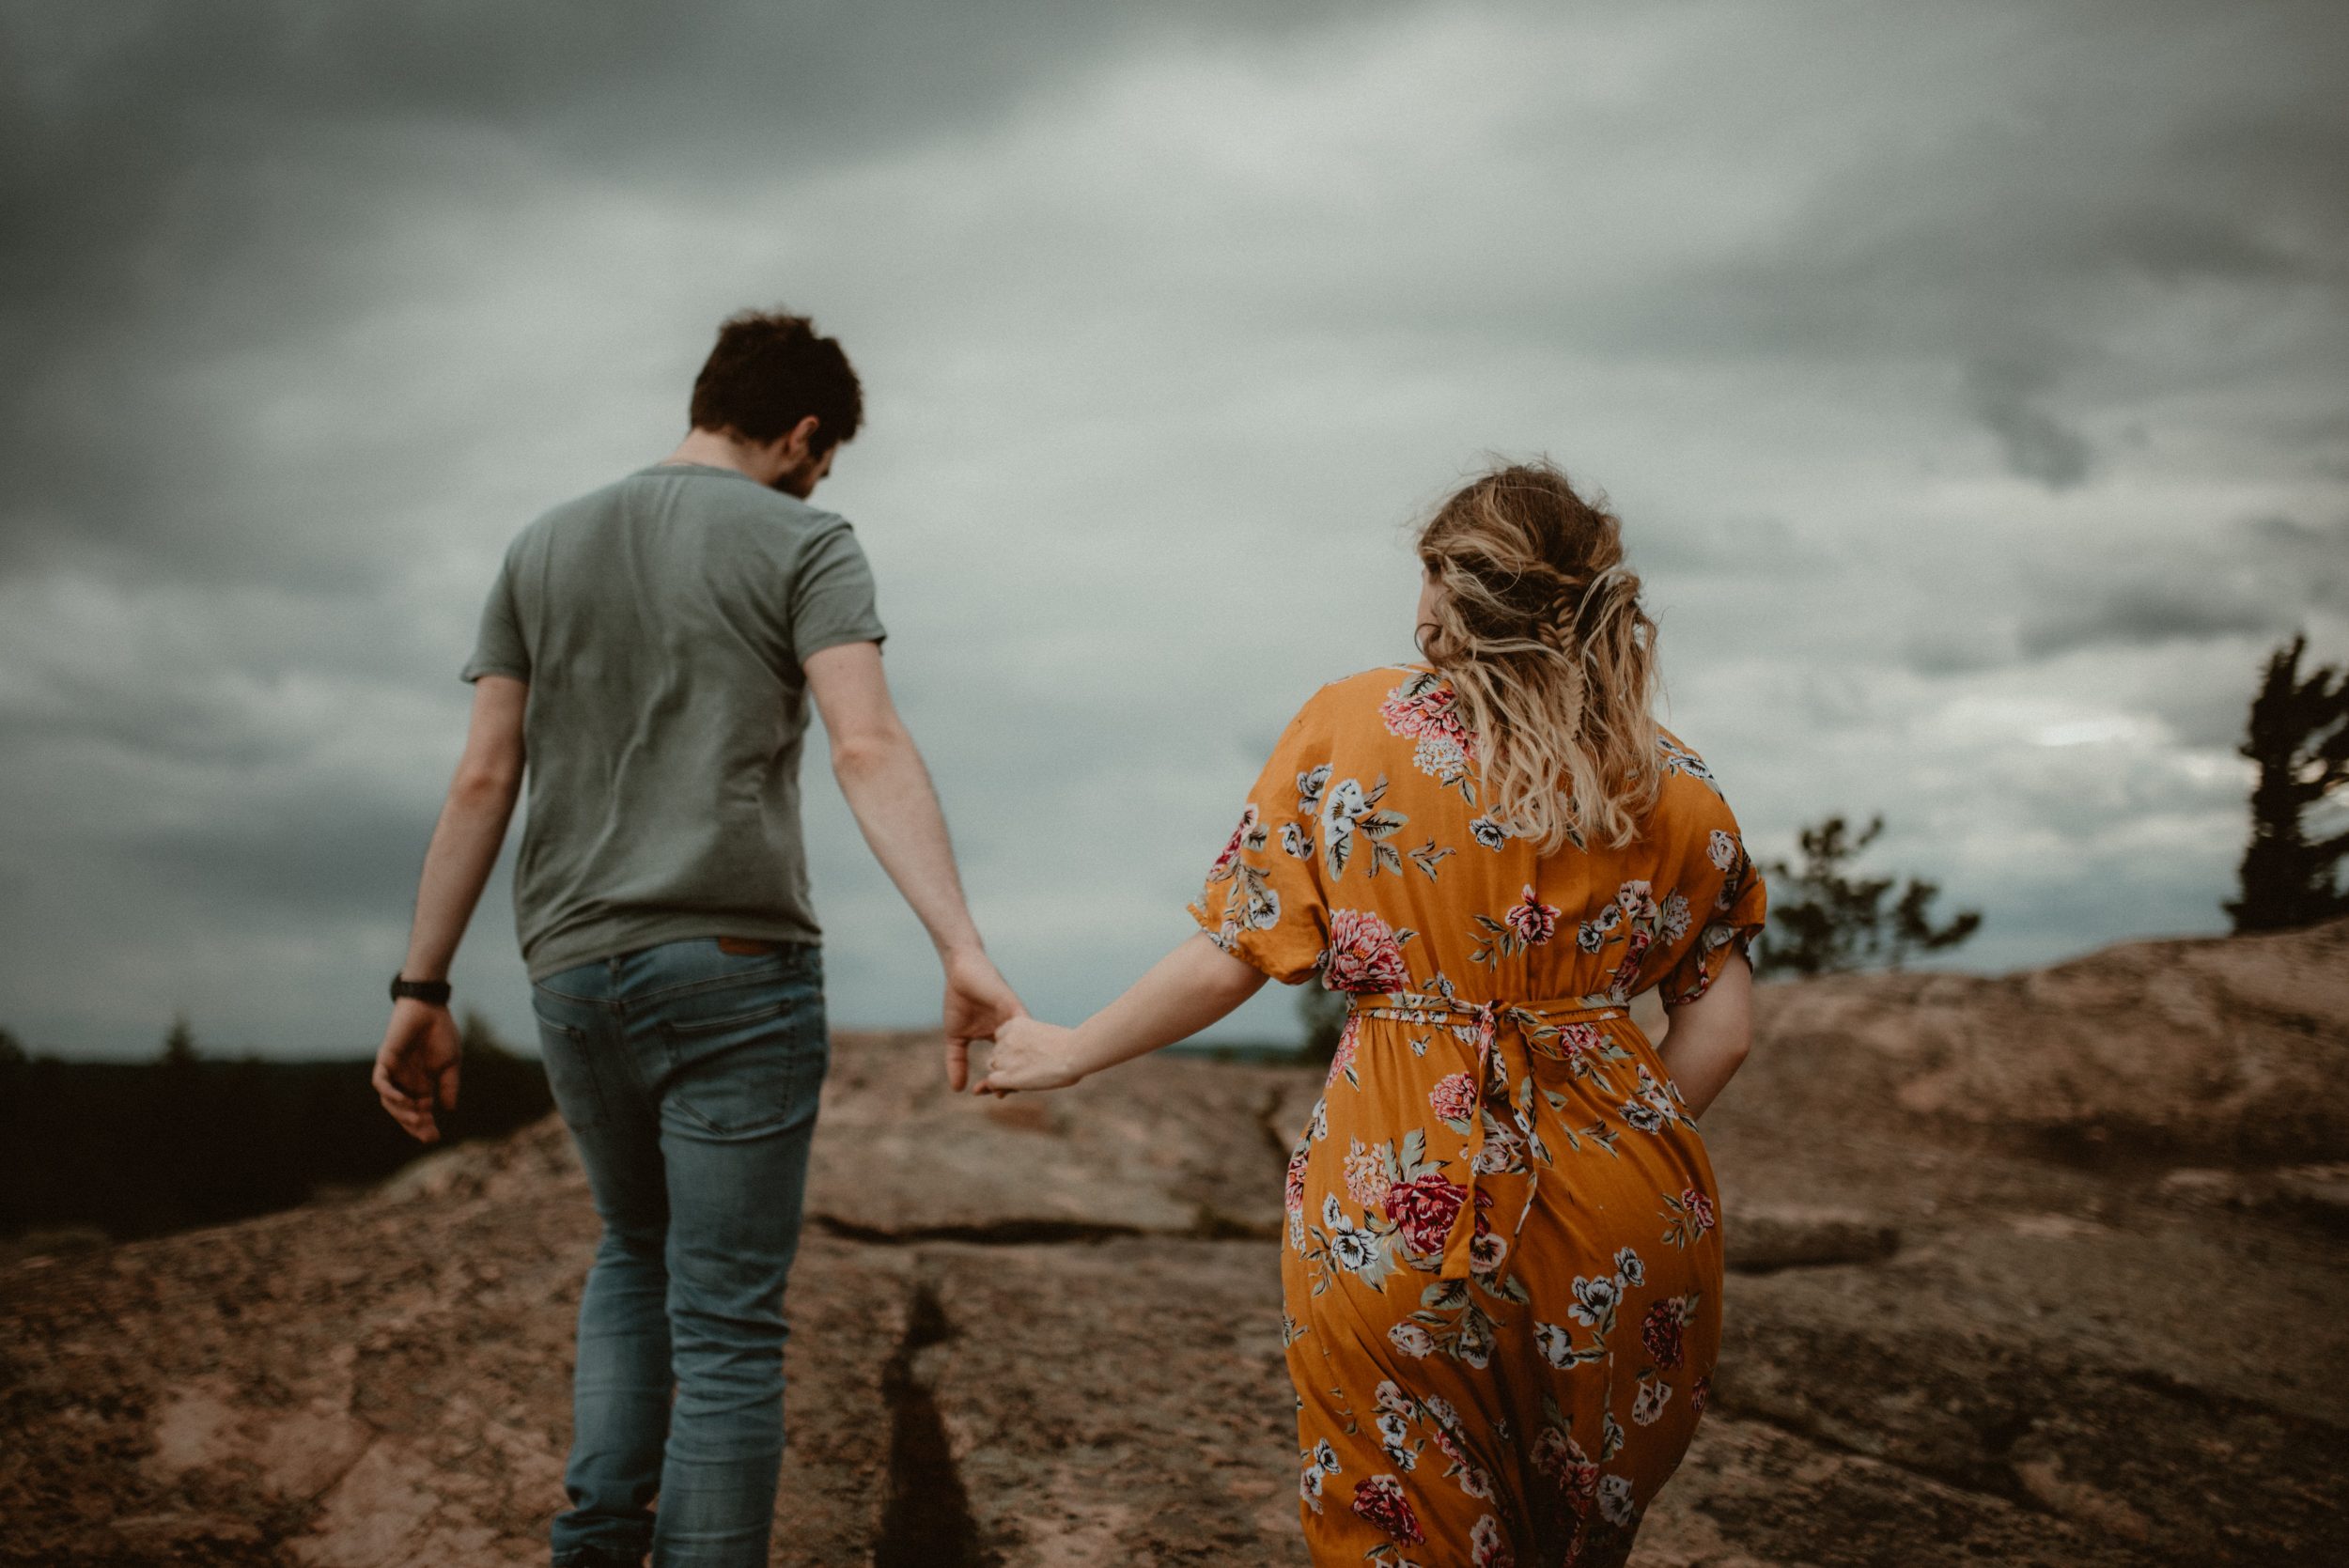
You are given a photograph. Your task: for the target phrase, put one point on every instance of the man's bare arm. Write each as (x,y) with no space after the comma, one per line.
(880,772)
(471,829)
(416,1067)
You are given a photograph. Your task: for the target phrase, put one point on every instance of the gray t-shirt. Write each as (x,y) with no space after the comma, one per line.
(661,623)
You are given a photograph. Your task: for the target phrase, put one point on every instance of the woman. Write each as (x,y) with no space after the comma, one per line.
(1503,1270)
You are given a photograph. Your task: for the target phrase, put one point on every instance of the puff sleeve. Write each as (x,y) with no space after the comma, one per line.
(1727,891)
(1262,902)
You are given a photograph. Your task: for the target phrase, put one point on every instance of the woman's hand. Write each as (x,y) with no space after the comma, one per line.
(1030,1054)
(1184,992)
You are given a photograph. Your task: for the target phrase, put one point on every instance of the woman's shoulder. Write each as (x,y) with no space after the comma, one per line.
(1678,759)
(1378,682)
(1690,800)
(1372,690)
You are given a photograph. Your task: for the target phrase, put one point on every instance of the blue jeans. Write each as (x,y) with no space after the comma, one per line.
(689,1076)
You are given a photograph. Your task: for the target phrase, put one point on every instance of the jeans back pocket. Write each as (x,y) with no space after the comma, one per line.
(745,1059)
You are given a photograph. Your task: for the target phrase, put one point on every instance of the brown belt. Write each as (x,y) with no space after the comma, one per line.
(748,947)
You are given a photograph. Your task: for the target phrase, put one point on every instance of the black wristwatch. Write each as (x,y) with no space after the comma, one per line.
(431,992)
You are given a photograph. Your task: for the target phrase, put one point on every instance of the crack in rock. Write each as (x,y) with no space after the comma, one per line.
(1766,1239)
(993,1233)
(925,1520)
(1805,1430)
(1210,1223)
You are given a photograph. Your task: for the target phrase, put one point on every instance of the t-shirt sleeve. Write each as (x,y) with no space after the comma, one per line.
(831,598)
(1730,900)
(1262,901)
(499,648)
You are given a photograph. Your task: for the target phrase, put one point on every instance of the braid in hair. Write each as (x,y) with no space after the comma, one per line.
(1541,633)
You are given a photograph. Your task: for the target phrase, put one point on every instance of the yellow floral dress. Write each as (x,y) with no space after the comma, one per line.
(1503,1261)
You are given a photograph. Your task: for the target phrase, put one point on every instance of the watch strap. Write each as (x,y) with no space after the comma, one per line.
(433,993)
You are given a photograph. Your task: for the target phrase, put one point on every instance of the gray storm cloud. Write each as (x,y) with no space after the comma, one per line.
(1972,380)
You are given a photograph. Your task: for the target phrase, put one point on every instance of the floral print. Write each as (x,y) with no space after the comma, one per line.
(1633,921)
(1454,1100)
(1528,923)
(1364,955)
(1490,1546)
(1314,1463)
(1424,1209)
(1686,1216)
(1254,904)
(1380,1500)
(1310,783)
(1501,1276)
(1350,817)
(1722,849)
(1660,1331)
(1426,710)
(1531,920)
(1248,834)
(1679,760)
(1342,1061)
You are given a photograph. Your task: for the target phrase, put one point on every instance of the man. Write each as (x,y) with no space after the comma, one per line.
(649,648)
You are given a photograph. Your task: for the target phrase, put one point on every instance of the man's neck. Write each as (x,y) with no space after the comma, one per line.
(713,449)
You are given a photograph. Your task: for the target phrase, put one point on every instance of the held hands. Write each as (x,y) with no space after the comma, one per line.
(1031,1054)
(979,1001)
(1026,1054)
(415,1069)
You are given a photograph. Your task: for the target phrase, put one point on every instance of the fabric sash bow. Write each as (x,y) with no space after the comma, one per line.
(1478,1025)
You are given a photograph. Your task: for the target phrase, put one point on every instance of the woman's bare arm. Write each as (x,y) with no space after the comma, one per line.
(1708,1038)
(1183,993)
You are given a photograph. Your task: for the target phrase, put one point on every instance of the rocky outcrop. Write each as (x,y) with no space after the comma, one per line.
(2164,1053)
(1179,1147)
(2037,1269)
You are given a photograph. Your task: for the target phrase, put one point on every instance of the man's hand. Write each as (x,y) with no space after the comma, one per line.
(415,1071)
(1029,1054)
(978,1002)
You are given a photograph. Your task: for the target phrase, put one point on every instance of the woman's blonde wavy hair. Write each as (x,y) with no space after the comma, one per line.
(1540,631)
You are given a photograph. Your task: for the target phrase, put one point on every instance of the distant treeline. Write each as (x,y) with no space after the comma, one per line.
(138,1148)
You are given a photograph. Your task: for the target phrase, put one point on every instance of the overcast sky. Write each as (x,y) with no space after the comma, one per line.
(1971,379)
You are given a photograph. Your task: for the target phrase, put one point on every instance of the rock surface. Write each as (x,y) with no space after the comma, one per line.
(2038,1269)
(1179,1146)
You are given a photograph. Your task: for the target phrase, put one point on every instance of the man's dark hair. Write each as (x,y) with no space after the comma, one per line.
(770,372)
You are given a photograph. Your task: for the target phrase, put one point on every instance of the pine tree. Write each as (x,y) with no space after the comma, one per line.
(180,1045)
(1825,920)
(2299,738)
